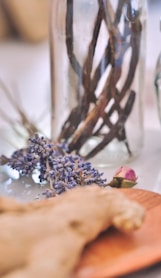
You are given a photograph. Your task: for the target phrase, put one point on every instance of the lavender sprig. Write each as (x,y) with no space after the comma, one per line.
(60,169)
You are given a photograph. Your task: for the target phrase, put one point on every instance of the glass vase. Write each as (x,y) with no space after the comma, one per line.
(97,51)
(157,82)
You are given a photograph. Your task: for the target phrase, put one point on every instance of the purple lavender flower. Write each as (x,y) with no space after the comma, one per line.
(62,170)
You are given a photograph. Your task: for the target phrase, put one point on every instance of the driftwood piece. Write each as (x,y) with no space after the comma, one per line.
(117,129)
(82,121)
(46,238)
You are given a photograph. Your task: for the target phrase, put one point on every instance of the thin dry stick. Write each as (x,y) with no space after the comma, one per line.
(23,121)
(69,38)
(84,132)
(80,112)
(117,127)
(118,96)
(113,54)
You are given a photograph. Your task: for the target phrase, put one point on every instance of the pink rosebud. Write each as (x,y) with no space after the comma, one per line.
(123,178)
(126,173)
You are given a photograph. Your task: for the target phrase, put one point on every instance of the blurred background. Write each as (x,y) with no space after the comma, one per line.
(24,70)
(25,80)
(25,61)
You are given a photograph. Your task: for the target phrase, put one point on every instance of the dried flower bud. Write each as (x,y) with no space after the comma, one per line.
(124,177)
(126,173)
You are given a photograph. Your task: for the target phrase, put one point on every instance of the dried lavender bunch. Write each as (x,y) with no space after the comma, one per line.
(62,170)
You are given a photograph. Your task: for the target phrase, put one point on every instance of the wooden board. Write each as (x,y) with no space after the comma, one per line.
(115,253)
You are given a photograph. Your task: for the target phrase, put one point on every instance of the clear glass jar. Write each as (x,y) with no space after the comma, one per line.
(157,82)
(97,71)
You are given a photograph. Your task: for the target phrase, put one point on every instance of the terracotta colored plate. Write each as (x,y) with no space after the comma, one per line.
(115,253)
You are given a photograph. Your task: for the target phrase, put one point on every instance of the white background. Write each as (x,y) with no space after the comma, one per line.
(28,65)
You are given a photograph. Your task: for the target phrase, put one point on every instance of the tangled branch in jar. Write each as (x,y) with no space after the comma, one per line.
(83,122)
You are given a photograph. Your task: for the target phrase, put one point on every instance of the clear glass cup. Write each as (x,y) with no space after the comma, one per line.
(157,82)
(97,70)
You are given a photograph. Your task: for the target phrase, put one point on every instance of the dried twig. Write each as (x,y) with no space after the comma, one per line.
(113,55)
(21,125)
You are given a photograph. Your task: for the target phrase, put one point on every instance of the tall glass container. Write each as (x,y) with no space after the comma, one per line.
(97,72)
(157,82)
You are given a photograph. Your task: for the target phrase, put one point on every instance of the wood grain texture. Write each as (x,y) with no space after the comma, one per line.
(115,253)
